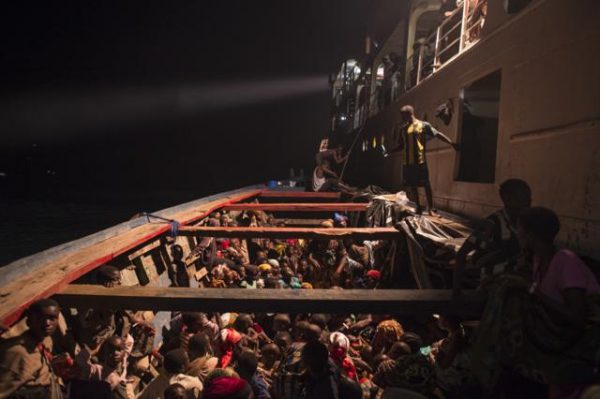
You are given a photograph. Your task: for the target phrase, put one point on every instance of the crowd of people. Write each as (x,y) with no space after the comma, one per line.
(275,263)
(233,356)
(537,337)
(113,354)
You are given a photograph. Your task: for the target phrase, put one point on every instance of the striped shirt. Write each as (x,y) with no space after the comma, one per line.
(415,136)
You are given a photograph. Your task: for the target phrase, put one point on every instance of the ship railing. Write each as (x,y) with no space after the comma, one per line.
(459,31)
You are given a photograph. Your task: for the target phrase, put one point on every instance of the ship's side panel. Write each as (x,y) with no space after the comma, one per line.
(549,117)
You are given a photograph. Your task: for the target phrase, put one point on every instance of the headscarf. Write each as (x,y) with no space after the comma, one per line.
(339,350)
(390,329)
(225,387)
(338,339)
(374,274)
(229,339)
(327,223)
(387,333)
(265,267)
(227,319)
(339,218)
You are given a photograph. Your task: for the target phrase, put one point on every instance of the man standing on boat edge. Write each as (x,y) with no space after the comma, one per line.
(415,134)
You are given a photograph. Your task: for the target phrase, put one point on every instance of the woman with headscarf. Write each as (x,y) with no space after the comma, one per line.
(220,385)
(387,333)
(229,340)
(338,351)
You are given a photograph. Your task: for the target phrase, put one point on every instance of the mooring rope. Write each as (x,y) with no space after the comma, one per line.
(174,223)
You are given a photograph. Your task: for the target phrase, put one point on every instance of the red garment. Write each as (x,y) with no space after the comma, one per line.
(257,328)
(374,274)
(229,339)
(339,357)
(223,387)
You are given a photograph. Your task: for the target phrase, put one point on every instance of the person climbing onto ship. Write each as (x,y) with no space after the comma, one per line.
(415,134)
(334,154)
(495,242)
(324,176)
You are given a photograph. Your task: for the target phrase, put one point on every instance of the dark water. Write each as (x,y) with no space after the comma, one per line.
(33,225)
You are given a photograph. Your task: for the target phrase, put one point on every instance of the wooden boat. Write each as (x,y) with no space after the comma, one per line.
(138,248)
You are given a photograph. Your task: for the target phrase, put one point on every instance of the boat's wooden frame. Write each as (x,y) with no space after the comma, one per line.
(299,207)
(42,275)
(141,245)
(269,300)
(364,233)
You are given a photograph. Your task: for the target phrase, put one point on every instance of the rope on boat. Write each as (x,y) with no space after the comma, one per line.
(174,223)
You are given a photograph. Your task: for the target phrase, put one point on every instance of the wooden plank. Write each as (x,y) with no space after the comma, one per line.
(129,276)
(291,222)
(46,277)
(379,233)
(153,245)
(299,207)
(299,194)
(269,300)
(200,274)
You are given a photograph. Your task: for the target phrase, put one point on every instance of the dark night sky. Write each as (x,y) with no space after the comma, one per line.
(65,61)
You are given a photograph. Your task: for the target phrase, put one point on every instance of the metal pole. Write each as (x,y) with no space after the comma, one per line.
(463,25)
(420,64)
(436,57)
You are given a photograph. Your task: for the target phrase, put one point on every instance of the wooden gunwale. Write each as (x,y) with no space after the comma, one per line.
(42,275)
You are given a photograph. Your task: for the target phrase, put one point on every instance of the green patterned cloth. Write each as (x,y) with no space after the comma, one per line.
(520,332)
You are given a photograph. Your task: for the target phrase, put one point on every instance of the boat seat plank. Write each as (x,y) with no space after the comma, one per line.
(299,207)
(294,222)
(366,233)
(269,300)
(299,194)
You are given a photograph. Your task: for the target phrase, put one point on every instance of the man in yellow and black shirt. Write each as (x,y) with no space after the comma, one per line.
(415,134)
